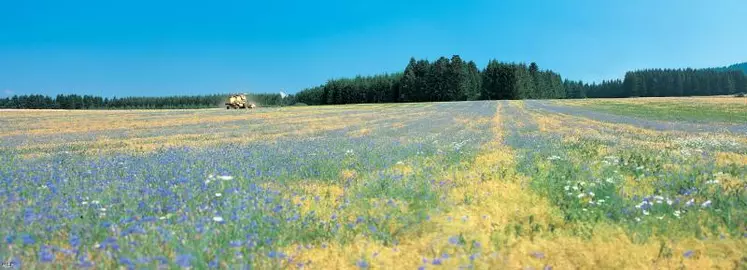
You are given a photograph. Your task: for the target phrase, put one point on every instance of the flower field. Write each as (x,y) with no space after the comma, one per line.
(461,185)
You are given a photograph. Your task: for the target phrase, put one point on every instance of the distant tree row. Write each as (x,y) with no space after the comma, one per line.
(454,79)
(679,82)
(173,102)
(442,80)
(663,83)
(605,89)
(519,81)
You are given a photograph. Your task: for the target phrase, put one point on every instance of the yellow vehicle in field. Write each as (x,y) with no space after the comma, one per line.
(239,102)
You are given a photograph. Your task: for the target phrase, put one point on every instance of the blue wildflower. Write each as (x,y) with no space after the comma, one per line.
(473,256)
(9,239)
(688,254)
(235,243)
(275,254)
(454,240)
(135,229)
(15,263)
(213,264)
(161,259)
(363,264)
(110,242)
(83,262)
(46,255)
(184,260)
(127,262)
(28,239)
(437,261)
(538,255)
(74,240)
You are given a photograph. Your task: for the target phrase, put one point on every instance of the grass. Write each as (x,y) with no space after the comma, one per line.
(701,109)
(480,185)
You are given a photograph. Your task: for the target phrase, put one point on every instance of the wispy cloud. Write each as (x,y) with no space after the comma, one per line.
(8,92)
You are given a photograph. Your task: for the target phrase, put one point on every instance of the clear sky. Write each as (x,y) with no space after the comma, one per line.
(149,48)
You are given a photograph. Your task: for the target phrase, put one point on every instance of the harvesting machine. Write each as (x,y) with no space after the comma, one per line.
(239,102)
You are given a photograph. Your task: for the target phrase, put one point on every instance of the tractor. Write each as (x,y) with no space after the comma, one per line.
(239,102)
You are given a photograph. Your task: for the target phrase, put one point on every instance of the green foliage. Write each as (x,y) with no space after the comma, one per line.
(442,80)
(738,67)
(74,102)
(664,83)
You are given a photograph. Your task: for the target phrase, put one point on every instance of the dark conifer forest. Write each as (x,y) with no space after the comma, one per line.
(445,79)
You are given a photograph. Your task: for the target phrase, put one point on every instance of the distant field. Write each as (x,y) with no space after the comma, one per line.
(590,184)
(728,109)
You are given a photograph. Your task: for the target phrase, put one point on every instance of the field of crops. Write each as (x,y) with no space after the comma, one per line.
(587,184)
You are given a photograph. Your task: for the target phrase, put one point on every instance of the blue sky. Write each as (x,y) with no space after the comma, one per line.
(150,48)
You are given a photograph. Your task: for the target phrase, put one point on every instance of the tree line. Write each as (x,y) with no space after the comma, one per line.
(454,80)
(664,83)
(74,101)
(442,80)
(445,79)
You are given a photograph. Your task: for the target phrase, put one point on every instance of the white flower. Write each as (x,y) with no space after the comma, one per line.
(591,193)
(207,181)
(218,194)
(567,188)
(225,177)
(581,195)
(690,202)
(95,202)
(706,204)
(103,209)
(400,163)
(584,209)
(84,203)
(661,217)
(218,219)
(645,213)
(609,180)
(600,201)
(669,202)
(677,213)
(711,182)
(162,218)
(639,168)
(638,219)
